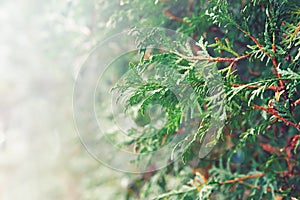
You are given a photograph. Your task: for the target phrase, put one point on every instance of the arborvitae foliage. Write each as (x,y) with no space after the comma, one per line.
(255,46)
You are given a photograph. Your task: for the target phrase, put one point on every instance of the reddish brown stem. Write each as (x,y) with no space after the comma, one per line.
(253,72)
(274,88)
(273,59)
(270,149)
(289,155)
(173,17)
(296,102)
(273,112)
(240,179)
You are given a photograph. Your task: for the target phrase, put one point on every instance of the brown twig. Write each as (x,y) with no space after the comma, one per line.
(296,30)
(274,88)
(289,155)
(270,149)
(296,102)
(273,59)
(241,179)
(253,72)
(273,112)
(251,176)
(171,16)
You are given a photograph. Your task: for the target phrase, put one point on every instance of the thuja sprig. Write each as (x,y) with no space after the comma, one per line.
(268,54)
(213,59)
(261,100)
(273,112)
(219,46)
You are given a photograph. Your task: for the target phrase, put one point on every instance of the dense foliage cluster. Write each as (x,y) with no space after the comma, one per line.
(254,46)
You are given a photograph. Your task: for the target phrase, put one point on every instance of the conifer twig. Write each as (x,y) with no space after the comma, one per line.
(241,179)
(274,88)
(212,59)
(173,17)
(273,59)
(273,112)
(289,148)
(296,102)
